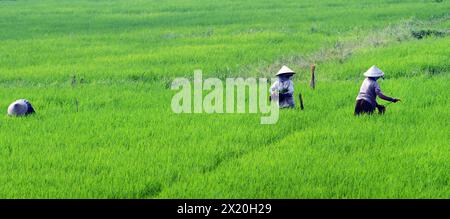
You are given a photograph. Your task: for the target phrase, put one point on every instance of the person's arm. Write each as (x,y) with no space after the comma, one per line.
(290,90)
(274,87)
(382,96)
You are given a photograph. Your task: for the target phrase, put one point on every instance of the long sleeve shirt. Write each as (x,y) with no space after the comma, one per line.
(285,90)
(369,91)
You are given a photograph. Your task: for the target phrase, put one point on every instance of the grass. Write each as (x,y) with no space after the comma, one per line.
(125,142)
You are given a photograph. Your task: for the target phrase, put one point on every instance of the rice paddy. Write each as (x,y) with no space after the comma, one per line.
(99,72)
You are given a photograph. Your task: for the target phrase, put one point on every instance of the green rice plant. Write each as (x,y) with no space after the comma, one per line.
(99,75)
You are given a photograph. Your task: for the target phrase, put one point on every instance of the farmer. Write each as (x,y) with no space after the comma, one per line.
(20,107)
(366,99)
(283,88)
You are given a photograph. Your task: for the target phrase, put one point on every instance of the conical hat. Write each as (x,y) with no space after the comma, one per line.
(18,108)
(374,71)
(285,70)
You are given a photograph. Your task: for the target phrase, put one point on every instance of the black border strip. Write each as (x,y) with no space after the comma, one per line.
(278,207)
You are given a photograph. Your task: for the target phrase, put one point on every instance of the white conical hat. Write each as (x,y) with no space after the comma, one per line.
(285,70)
(374,71)
(18,108)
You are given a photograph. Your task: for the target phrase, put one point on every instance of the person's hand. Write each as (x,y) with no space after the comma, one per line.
(395,100)
(284,91)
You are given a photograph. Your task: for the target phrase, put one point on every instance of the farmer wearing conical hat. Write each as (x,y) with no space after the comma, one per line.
(20,107)
(283,88)
(370,89)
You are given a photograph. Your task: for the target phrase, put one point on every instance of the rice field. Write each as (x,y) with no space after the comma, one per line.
(117,59)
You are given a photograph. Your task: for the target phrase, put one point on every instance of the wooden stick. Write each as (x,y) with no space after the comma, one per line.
(301,100)
(312,84)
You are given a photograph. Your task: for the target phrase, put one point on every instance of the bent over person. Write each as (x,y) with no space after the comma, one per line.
(283,88)
(370,89)
(20,107)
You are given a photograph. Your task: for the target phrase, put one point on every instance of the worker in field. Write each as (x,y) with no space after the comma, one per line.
(20,107)
(370,89)
(283,88)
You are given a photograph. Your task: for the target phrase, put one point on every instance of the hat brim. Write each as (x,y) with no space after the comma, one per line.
(285,73)
(17,109)
(374,75)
